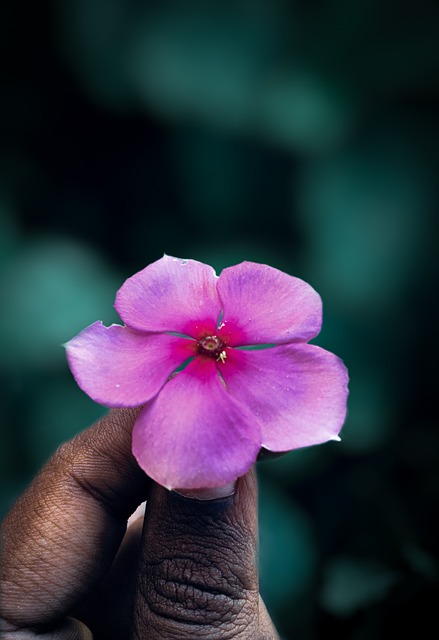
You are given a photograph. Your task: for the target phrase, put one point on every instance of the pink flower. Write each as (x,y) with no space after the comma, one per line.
(204,426)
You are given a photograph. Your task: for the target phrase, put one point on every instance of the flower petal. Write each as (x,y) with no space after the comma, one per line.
(171,295)
(264,305)
(193,435)
(297,393)
(118,367)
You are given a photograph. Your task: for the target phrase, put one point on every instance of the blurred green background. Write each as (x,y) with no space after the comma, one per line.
(299,134)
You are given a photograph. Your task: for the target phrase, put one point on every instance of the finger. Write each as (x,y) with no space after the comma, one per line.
(197,567)
(267,630)
(60,538)
(69,629)
(108,611)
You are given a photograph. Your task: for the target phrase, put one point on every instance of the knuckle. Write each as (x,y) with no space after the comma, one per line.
(189,591)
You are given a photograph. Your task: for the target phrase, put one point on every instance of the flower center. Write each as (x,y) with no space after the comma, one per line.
(213,347)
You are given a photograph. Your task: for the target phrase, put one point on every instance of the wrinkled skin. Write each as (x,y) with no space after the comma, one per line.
(71,570)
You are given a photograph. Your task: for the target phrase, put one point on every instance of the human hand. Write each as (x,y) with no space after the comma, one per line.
(70,568)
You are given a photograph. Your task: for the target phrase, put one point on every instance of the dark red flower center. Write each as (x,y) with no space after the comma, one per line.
(213,347)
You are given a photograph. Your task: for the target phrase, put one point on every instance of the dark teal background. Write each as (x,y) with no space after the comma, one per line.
(299,134)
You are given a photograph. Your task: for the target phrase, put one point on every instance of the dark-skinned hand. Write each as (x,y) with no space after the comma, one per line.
(71,570)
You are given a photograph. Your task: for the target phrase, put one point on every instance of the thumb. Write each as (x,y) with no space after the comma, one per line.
(197,570)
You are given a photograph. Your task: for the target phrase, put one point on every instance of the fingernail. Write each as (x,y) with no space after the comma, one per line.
(212,493)
(139,512)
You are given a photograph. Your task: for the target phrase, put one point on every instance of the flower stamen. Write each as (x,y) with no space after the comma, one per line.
(213,347)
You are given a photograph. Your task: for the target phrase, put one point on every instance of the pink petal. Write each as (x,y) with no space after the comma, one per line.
(193,435)
(297,393)
(171,295)
(118,367)
(264,305)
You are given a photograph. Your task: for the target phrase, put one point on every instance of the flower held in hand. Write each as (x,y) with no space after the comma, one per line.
(205,425)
